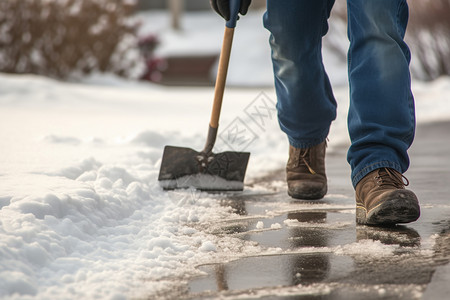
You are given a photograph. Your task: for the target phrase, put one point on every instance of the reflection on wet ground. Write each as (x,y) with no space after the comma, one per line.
(315,251)
(323,256)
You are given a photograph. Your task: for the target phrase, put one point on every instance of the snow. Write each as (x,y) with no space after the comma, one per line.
(81,212)
(260,225)
(208,246)
(275,226)
(203,182)
(364,248)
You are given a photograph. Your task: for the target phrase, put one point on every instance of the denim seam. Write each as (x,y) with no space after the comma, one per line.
(325,20)
(349,57)
(397,19)
(407,138)
(411,132)
(410,135)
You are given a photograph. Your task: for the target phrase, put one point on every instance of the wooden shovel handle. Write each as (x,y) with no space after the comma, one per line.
(221,76)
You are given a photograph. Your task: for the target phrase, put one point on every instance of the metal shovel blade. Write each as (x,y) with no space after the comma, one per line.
(186,168)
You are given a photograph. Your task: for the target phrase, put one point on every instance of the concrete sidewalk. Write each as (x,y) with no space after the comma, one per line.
(321,253)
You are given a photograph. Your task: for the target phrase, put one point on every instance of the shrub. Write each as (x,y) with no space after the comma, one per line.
(59,38)
(429,38)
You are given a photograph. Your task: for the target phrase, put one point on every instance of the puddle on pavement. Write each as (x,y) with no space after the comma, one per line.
(321,227)
(403,272)
(270,271)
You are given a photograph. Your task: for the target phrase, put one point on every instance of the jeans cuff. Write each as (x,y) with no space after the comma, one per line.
(362,172)
(303,144)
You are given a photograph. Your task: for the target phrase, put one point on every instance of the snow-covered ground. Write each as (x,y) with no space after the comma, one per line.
(81,213)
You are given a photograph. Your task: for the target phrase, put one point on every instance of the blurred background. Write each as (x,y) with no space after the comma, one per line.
(177,42)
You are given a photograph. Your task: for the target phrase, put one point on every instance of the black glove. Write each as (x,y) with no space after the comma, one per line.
(222,7)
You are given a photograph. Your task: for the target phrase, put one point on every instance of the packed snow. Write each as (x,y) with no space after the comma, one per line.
(81,212)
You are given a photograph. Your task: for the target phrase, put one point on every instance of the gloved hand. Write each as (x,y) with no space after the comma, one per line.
(222,7)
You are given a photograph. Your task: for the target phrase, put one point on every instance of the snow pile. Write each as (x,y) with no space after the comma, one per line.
(106,233)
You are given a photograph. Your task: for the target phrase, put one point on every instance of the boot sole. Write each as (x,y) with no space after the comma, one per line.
(312,194)
(402,207)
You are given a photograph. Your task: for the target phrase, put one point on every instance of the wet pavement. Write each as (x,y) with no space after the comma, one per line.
(316,251)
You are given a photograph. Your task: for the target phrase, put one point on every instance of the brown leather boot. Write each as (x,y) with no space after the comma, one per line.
(381,199)
(305,172)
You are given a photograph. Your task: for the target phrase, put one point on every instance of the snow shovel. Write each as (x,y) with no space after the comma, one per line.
(205,170)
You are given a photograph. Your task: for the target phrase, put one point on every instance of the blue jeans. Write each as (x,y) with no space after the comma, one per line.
(381,119)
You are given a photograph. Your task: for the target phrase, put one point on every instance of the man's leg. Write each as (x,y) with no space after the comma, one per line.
(381,118)
(306,105)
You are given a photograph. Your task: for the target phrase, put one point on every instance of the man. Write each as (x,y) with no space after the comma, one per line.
(381,117)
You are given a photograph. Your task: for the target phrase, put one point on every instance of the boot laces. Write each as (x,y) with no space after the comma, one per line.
(391,178)
(303,158)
